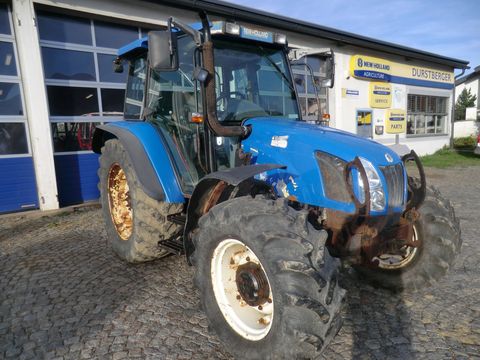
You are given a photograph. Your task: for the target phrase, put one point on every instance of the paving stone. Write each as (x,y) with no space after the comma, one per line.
(65,295)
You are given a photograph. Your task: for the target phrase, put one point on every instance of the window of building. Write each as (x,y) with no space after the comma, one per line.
(82,88)
(13,122)
(426,115)
(311,100)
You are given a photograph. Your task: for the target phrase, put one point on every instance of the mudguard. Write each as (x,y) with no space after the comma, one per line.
(149,157)
(220,186)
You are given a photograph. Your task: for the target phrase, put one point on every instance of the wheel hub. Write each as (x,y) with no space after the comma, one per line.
(119,201)
(401,258)
(252,284)
(242,289)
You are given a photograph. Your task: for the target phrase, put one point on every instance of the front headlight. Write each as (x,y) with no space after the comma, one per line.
(377,195)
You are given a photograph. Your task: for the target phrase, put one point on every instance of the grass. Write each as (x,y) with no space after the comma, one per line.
(447,158)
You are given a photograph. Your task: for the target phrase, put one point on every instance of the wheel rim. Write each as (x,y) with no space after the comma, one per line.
(119,201)
(397,261)
(242,289)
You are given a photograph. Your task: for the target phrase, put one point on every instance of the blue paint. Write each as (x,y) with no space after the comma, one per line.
(302,175)
(159,156)
(257,35)
(416,82)
(18,189)
(77,178)
(370,74)
(140,43)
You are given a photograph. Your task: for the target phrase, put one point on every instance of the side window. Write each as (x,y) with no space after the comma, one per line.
(173,99)
(135,88)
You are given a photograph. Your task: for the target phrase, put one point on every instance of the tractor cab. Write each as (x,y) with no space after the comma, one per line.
(252,78)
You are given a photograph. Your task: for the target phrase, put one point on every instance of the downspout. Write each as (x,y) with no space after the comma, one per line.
(453,108)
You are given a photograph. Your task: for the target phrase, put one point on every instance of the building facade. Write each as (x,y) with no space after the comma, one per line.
(57,84)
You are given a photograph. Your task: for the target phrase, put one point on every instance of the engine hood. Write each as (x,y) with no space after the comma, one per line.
(293,144)
(300,138)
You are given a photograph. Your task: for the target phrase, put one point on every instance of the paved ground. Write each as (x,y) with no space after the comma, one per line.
(63,294)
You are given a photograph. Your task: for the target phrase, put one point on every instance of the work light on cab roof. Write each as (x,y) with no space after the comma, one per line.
(234,29)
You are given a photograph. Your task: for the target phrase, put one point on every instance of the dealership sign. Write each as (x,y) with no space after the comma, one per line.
(396,121)
(380,95)
(372,68)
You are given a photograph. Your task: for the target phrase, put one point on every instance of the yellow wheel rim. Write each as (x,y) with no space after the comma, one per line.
(119,201)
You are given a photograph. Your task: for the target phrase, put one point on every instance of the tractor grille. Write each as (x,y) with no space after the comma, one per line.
(395,183)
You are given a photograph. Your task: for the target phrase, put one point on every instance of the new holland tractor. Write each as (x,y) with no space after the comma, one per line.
(215,162)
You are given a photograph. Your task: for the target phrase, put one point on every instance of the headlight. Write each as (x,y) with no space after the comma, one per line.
(377,195)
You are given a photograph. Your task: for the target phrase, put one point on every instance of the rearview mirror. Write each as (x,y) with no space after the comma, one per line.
(325,55)
(162,50)
(118,66)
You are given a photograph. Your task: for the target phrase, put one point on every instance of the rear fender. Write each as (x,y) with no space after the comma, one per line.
(148,155)
(218,187)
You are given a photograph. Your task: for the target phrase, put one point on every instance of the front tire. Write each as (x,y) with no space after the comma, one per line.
(438,232)
(134,222)
(268,285)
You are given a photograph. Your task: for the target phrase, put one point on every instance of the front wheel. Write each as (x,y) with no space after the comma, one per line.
(268,285)
(438,242)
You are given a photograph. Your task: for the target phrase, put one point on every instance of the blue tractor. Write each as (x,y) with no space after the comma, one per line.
(214,162)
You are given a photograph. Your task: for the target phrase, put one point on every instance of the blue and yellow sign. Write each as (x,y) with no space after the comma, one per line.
(380,95)
(396,121)
(367,67)
(373,68)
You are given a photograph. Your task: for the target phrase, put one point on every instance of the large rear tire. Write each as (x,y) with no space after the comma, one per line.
(268,285)
(438,232)
(134,222)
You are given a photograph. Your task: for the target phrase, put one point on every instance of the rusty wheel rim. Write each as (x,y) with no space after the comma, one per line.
(398,261)
(119,201)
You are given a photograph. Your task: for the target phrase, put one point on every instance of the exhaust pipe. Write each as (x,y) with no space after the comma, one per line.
(210,96)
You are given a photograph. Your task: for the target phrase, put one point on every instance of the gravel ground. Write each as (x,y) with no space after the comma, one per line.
(63,294)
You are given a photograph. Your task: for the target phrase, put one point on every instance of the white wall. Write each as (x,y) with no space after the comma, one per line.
(466,128)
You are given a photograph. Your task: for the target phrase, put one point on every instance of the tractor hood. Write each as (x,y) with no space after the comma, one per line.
(294,143)
(275,136)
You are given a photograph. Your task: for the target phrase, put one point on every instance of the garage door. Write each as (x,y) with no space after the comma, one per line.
(17,177)
(83,91)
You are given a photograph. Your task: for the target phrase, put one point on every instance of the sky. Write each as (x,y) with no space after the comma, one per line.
(446,27)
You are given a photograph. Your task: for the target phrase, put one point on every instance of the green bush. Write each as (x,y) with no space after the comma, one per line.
(468,142)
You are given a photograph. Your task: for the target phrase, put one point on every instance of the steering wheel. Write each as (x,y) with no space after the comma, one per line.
(227,96)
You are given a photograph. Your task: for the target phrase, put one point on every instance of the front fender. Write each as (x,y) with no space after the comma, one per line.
(218,187)
(149,157)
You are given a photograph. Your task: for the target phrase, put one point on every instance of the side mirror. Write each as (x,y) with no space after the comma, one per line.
(162,50)
(330,69)
(118,65)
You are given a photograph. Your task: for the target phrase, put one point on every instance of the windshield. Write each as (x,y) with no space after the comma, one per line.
(251,81)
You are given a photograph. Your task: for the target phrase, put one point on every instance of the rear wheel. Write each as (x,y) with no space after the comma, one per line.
(437,234)
(268,285)
(135,222)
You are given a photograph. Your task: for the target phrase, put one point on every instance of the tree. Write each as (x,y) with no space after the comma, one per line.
(465,100)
